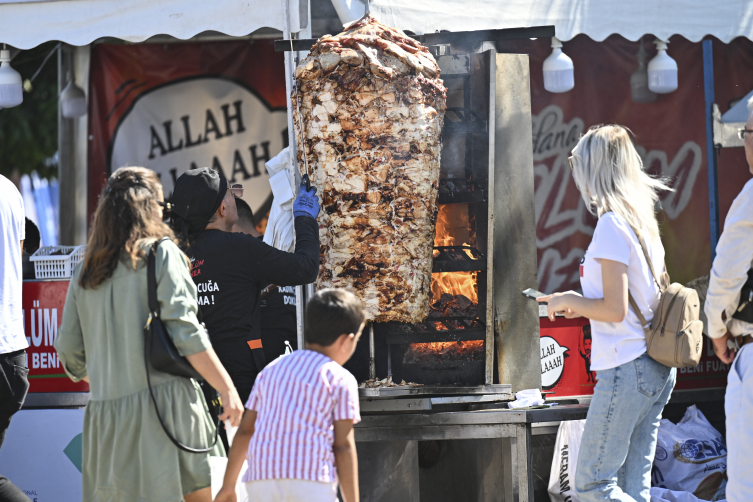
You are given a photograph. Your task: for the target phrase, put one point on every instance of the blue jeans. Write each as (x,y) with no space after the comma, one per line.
(619,439)
(738,407)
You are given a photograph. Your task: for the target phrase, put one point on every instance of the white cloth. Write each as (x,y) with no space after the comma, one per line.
(734,257)
(614,344)
(738,408)
(280,232)
(526,398)
(12,232)
(291,490)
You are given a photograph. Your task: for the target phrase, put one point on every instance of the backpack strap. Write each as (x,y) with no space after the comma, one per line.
(648,261)
(631,300)
(635,308)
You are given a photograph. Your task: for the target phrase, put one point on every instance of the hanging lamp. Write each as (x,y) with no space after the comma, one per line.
(11,85)
(558,70)
(72,100)
(662,70)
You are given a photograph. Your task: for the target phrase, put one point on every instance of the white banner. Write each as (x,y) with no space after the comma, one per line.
(202,122)
(41,454)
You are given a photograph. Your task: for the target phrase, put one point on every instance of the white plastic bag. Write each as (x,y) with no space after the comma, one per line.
(218,466)
(280,232)
(691,457)
(664,495)
(566,448)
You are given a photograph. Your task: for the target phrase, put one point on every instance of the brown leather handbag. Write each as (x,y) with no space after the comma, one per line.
(675,335)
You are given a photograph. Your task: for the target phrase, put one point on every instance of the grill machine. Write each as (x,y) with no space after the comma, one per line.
(487,183)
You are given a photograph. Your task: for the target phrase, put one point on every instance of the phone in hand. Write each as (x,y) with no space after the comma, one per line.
(533,294)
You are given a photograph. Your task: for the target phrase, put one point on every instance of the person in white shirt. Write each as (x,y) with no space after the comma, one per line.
(734,257)
(619,438)
(14,383)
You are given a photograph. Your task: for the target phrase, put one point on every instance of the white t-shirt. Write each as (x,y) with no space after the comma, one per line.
(12,232)
(616,343)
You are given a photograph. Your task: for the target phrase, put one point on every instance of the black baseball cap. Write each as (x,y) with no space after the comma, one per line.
(196,196)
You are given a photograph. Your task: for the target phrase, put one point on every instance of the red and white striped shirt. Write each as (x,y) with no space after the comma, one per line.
(297,398)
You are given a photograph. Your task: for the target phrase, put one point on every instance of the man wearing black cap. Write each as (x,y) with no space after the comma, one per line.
(229,269)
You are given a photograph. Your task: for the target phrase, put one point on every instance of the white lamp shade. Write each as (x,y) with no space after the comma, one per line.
(662,71)
(72,101)
(559,75)
(11,85)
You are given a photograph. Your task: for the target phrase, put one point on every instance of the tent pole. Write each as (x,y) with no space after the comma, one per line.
(708,91)
(289,67)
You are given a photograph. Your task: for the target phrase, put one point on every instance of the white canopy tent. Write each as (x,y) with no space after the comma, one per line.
(27,23)
(693,19)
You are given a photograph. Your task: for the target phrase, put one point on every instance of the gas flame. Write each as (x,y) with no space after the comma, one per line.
(451,223)
(455,283)
(453,350)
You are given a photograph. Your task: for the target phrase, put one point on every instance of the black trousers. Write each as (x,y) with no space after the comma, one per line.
(210,395)
(14,385)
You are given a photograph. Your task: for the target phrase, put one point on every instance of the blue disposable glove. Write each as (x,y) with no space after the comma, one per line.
(307,203)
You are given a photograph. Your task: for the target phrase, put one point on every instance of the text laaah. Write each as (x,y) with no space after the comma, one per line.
(372,107)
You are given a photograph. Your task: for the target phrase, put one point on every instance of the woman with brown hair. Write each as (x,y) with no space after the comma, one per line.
(126,454)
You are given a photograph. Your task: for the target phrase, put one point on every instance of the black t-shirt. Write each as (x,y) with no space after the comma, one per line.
(229,270)
(278,322)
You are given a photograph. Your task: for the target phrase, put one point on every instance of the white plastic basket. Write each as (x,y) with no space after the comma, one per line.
(56,266)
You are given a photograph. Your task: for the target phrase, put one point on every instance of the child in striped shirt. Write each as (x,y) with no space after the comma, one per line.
(297,431)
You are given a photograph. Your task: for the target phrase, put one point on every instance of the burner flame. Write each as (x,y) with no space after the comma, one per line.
(451,351)
(453,227)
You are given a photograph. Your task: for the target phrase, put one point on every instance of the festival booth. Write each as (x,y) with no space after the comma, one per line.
(138,114)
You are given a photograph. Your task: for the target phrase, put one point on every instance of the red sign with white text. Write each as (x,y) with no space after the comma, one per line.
(43,303)
(566,357)
(566,361)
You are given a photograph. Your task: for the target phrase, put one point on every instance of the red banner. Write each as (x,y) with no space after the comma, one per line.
(43,303)
(172,107)
(670,134)
(566,361)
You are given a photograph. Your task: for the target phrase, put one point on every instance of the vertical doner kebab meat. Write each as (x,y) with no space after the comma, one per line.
(371,105)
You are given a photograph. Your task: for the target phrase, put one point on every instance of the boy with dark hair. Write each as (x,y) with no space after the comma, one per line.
(298,425)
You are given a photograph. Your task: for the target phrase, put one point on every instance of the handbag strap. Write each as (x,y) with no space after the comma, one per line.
(151,277)
(631,300)
(151,281)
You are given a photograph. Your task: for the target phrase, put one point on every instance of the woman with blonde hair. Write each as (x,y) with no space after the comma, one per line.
(619,439)
(127,455)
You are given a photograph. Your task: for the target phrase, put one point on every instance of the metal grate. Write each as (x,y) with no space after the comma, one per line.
(465,120)
(456,259)
(460,191)
(456,329)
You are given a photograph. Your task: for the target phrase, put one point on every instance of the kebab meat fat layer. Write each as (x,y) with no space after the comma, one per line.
(371,106)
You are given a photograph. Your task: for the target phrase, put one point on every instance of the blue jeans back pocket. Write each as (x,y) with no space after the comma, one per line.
(651,375)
